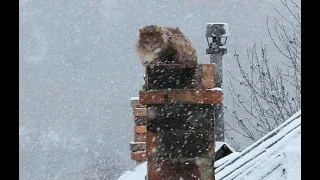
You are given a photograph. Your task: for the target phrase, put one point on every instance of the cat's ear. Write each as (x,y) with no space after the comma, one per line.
(141,31)
(159,29)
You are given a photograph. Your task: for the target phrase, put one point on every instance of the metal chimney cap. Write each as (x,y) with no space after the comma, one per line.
(217,30)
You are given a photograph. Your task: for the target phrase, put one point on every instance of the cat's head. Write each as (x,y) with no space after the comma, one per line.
(151,37)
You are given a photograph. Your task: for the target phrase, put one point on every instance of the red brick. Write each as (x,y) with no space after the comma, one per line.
(152,167)
(139,155)
(182,96)
(140,111)
(141,137)
(195,96)
(140,129)
(147,97)
(151,144)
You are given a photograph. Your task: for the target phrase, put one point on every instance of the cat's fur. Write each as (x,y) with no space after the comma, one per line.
(157,44)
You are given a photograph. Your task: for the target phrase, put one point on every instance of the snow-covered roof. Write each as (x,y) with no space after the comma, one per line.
(225,159)
(277,155)
(138,173)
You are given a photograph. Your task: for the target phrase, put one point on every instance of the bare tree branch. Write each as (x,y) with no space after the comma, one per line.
(272,94)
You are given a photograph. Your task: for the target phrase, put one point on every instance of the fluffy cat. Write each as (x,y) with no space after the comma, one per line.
(157,44)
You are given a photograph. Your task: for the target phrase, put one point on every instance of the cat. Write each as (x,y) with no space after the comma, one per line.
(158,44)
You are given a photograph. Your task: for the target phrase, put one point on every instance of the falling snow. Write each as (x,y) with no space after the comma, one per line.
(78,72)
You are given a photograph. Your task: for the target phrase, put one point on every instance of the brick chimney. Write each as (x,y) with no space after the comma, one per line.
(177,106)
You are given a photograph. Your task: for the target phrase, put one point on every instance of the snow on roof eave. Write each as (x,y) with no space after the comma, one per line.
(288,126)
(225,159)
(125,175)
(138,173)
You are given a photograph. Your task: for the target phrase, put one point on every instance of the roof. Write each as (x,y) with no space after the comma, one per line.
(138,173)
(277,155)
